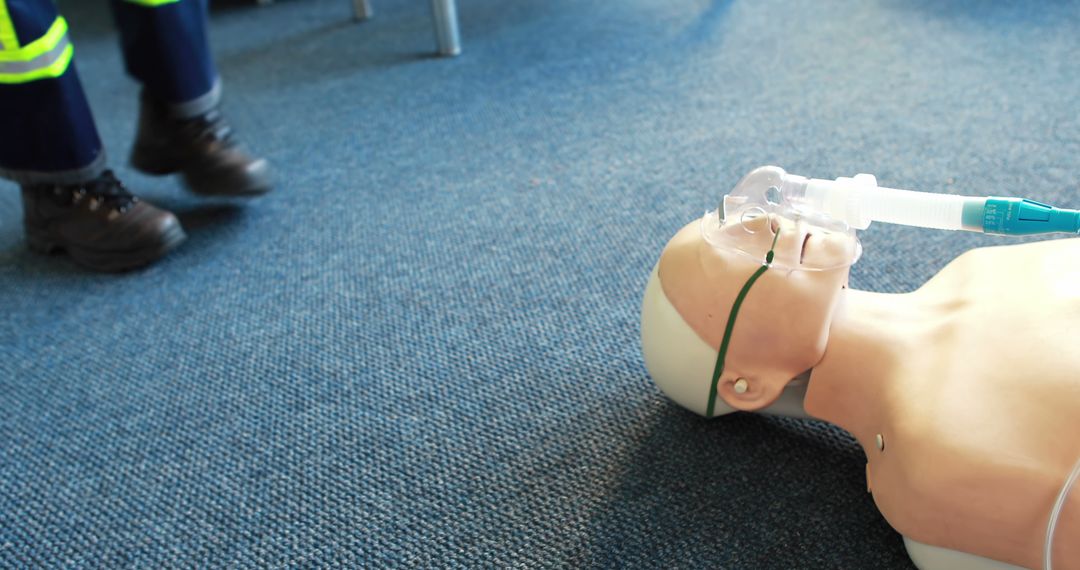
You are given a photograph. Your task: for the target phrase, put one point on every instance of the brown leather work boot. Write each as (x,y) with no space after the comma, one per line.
(202,149)
(98,223)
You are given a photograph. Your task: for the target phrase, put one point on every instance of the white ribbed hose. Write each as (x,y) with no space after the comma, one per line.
(923,209)
(859,201)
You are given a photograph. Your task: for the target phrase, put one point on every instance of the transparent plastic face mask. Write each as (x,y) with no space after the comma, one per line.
(760,203)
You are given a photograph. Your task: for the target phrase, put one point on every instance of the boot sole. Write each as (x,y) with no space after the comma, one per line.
(149,161)
(210,187)
(108,261)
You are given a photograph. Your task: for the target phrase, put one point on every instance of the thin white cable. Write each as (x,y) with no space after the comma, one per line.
(1055,513)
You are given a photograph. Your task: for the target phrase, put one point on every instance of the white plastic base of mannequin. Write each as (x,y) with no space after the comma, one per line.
(928,557)
(678,360)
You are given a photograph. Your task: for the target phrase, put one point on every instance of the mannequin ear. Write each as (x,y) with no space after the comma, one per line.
(749,393)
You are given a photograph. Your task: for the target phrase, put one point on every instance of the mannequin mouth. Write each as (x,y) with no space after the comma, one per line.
(802,252)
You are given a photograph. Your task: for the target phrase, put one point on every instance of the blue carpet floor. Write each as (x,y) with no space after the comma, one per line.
(422,350)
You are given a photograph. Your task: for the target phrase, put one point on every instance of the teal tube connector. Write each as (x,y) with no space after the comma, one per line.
(1020,217)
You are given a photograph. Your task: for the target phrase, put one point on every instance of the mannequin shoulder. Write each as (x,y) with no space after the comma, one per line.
(1032,253)
(1020,267)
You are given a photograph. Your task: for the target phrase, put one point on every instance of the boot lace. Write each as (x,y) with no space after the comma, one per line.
(211,126)
(104,191)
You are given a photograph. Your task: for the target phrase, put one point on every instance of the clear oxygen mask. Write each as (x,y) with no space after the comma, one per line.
(766,211)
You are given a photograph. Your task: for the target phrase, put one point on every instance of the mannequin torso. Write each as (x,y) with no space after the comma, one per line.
(973,382)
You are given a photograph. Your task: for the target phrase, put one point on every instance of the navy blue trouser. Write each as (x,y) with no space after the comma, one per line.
(47,132)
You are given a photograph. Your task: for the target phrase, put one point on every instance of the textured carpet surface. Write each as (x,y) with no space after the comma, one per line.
(422,350)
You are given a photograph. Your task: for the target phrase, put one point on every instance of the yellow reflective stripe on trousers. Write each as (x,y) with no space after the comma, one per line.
(151,3)
(44,44)
(47,56)
(8,39)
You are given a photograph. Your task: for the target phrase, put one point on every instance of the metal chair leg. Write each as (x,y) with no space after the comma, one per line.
(362,9)
(444,13)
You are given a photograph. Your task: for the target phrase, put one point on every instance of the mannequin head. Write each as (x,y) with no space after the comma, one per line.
(782,327)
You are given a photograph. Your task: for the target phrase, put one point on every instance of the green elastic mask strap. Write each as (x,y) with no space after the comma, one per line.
(722,353)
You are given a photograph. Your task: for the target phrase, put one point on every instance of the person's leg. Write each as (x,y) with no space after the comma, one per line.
(166,50)
(50,146)
(181,128)
(48,132)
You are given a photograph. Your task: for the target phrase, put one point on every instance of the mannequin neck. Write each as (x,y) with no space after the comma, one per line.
(872,336)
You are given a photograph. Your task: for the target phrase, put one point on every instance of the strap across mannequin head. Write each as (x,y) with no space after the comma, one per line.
(721,355)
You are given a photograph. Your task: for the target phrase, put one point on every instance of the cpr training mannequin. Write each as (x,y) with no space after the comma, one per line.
(964,394)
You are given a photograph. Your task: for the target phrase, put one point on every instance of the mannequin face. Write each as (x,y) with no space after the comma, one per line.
(782,326)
